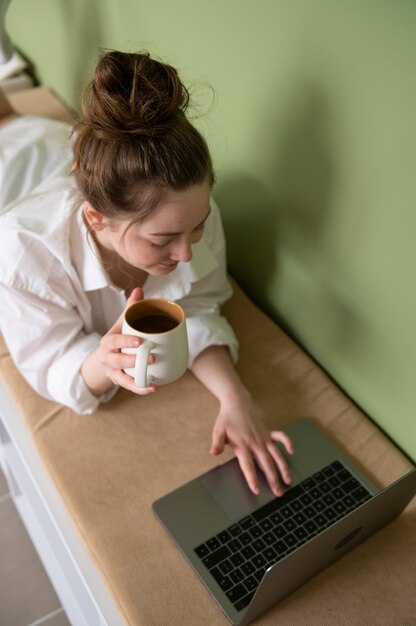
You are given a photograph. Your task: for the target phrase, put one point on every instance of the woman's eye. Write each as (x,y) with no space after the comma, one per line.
(159,246)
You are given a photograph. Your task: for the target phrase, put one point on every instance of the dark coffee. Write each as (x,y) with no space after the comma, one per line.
(154,323)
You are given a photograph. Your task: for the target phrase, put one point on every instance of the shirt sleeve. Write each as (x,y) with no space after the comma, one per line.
(50,350)
(205,325)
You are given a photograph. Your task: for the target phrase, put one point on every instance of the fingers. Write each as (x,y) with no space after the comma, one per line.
(280,463)
(218,441)
(126,381)
(270,460)
(135,296)
(248,468)
(115,360)
(279,435)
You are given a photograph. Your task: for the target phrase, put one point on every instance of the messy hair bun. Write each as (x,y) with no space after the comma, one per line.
(133,139)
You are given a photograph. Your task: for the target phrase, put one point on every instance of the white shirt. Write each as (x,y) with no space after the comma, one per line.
(56,300)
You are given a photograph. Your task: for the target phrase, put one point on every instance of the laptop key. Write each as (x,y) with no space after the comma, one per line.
(216,557)
(290,524)
(245,539)
(276,518)
(308,484)
(258,561)
(349,502)
(266,524)
(234,545)
(256,531)
(309,512)
(269,554)
(300,518)
(325,487)
(237,559)
(237,576)
(280,548)
(339,507)
(224,582)
(330,514)
(213,543)
(290,539)
(224,536)
(236,593)
(329,471)
(319,477)
(301,533)
(248,552)
(320,521)
(248,568)
(311,527)
(251,583)
(351,485)
(319,506)
(226,567)
(202,550)
(306,499)
(287,512)
(259,545)
(246,522)
(360,494)
(241,604)
(269,539)
(235,530)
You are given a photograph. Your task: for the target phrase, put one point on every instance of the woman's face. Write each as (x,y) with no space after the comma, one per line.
(166,237)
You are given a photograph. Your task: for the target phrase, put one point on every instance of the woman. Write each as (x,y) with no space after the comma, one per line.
(134,217)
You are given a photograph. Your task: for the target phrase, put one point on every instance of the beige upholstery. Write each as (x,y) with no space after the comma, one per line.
(111,466)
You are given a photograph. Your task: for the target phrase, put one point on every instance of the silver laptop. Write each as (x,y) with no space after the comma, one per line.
(251,551)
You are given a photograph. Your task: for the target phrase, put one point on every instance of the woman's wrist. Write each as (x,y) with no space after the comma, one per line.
(234,396)
(95,376)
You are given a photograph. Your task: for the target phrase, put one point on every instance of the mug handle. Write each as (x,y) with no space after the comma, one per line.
(141,377)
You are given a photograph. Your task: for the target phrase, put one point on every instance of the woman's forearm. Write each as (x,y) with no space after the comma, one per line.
(214,368)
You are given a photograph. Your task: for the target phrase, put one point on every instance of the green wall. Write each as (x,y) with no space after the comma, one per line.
(313,131)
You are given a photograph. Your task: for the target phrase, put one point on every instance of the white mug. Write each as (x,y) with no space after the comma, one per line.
(161,325)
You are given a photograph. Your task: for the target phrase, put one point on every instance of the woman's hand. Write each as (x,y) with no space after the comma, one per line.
(104,367)
(240,426)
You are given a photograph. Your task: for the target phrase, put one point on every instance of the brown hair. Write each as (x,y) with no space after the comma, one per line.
(133,141)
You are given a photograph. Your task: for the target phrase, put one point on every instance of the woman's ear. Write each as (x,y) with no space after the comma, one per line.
(94,219)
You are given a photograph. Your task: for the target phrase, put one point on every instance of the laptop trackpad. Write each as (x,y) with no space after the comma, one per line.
(227,485)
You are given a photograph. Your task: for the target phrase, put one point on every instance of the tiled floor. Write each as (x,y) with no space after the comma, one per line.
(27,597)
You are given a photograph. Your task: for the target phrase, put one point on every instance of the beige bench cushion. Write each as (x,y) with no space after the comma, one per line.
(111,466)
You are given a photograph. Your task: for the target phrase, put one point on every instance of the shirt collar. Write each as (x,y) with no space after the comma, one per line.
(86,257)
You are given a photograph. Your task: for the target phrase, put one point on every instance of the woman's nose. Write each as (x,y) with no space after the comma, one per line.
(182,251)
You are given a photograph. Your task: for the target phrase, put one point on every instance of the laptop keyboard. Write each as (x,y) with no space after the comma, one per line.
(239,556)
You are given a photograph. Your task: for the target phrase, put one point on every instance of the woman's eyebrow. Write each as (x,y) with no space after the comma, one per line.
(171,234)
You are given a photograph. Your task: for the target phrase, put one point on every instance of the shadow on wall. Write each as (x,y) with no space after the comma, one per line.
(286,215)
(85,35)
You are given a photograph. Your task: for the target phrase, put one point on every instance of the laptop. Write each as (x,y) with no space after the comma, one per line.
(251,551)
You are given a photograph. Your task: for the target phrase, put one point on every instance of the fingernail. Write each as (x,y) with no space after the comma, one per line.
(135,342)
